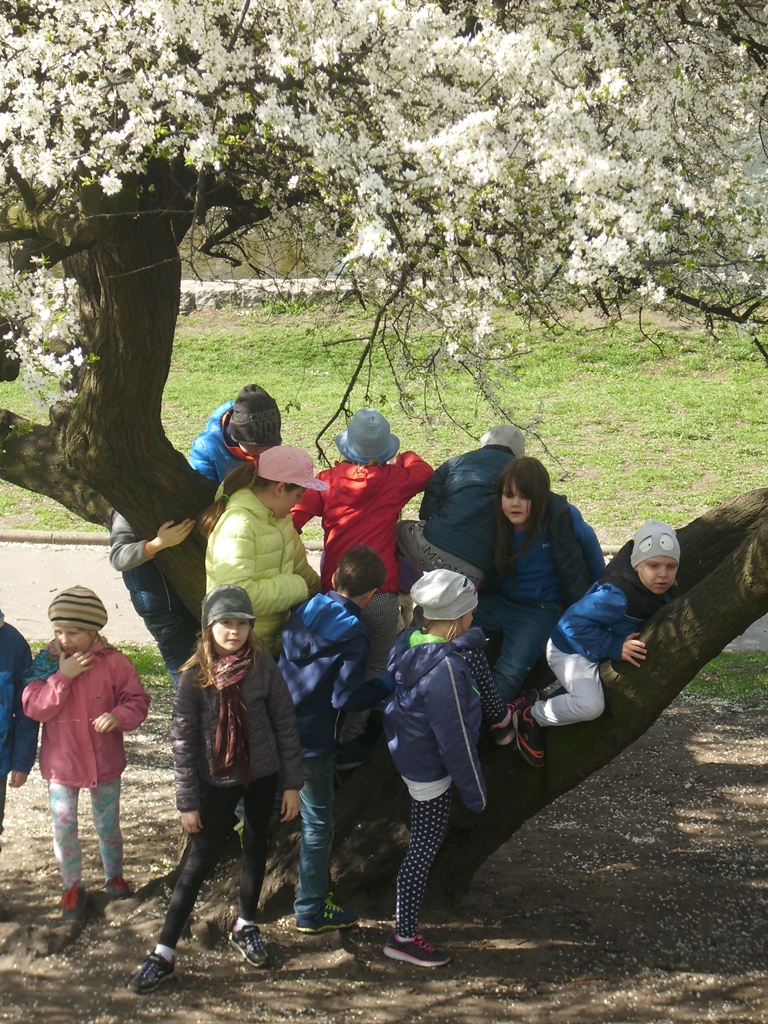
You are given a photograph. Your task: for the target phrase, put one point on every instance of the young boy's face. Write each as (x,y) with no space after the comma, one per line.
(657,574)
(74,641)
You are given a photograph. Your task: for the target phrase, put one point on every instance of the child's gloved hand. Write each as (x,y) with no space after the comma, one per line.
(73,665)
(106,722)
(633,650)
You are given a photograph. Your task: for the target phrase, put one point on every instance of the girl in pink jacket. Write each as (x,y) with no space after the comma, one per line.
(86,694)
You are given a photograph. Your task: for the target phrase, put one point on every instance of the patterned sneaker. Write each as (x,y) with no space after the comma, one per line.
(72,903)
(118,887)
(327,919)
(152,973)
(530,741)
(415,951)
(249,942)
(503,732)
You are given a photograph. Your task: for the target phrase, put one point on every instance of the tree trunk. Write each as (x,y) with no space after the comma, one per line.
(719,602)
(108,448)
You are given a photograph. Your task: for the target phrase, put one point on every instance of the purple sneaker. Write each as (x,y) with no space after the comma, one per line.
(415,951)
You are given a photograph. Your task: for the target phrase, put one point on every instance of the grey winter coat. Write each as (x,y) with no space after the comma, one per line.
(273,739)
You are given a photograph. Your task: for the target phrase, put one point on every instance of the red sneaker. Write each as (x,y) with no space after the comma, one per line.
(72,903)
(117,886)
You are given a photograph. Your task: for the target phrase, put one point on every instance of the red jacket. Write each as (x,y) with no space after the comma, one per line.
(361,507)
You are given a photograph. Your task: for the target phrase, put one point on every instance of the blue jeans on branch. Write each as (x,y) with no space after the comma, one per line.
(316,835)
(525,629)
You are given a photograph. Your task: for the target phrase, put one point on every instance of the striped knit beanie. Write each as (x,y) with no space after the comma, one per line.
(78,608)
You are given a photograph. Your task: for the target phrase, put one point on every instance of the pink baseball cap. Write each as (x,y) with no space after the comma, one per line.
(289,465)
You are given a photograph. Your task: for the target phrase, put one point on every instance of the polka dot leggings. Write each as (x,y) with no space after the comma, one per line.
(429,820)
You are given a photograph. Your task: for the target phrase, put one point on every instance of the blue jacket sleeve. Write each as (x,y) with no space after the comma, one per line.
(201,460)
(589,544)
(587,624)
(446,703)
(433,493)
(351,690)
(24,729)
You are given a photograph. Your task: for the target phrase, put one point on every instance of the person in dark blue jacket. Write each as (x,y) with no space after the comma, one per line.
(18,734)
(605,623)
(325,647)
(236,432)
(456,526)
(546,558)
(432,724)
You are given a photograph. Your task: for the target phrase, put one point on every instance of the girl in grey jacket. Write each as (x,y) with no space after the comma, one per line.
(234,727)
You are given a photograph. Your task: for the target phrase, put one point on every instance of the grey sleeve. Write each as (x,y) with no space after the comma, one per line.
(126,550)
(282,718)
(185,745)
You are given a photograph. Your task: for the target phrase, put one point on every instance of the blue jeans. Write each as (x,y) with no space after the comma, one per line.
(525,629)
(316,835)
(175,634)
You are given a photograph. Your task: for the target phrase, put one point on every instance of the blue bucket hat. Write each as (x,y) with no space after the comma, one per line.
(367,437)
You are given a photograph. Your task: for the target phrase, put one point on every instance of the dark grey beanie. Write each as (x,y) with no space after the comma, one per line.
(227,601)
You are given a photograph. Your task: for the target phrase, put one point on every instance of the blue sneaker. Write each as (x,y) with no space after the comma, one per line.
(327,919)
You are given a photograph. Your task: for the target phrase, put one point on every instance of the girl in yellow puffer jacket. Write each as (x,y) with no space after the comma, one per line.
(253,543)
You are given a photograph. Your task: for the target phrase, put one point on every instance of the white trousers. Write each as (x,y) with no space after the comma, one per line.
(584,698)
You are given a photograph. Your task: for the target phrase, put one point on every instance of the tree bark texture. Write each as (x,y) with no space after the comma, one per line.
(108,448)
(725,554)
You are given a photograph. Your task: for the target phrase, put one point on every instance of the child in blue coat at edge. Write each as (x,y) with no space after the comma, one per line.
(605,623)
(432,724)
(18,734)
(325,647)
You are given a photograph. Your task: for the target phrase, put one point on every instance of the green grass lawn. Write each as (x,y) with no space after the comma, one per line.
(629,428)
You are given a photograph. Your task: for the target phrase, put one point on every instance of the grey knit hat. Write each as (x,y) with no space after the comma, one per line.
(507,436)
(444,595)
(367,437)
(78,608)
(227,601)
(652,540)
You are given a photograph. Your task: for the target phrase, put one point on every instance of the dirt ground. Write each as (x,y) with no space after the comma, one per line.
(639,897)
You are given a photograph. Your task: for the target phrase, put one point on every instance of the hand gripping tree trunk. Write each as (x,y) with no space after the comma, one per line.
(725,583)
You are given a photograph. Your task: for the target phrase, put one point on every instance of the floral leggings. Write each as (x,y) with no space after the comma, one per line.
(105,804)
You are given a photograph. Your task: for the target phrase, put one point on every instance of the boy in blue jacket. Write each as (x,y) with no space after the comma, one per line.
(18,734)
(605,623)
(325,647)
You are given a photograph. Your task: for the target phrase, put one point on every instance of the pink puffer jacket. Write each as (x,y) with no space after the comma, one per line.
(72,752)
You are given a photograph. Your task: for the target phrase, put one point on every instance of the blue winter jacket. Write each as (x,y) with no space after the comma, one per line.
(597,625)
(209,454)
(458,504)
(325,646)
(18,734)
(432,722)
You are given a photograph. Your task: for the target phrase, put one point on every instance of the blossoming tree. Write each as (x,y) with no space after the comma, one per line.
(540,153)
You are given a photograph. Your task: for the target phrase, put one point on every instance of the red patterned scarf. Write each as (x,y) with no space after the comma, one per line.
(231,745)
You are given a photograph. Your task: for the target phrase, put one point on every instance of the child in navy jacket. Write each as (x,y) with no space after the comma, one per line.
(605,623)
(18,734)
(325,647)
(432,724)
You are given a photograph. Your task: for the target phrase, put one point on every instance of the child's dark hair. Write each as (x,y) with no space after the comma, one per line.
(529,478)
(204,657)
(359,570)
(238,478)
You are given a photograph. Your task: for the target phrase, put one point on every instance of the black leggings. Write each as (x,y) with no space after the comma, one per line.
(216,815)
(429,820)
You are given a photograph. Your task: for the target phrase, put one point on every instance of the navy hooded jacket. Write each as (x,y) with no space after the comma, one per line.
(18,734)
(433,721)
(325,646)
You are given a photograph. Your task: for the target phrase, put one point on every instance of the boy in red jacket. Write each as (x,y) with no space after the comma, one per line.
(366,493)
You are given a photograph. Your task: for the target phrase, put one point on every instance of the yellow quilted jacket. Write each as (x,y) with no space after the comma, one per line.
(266,557)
